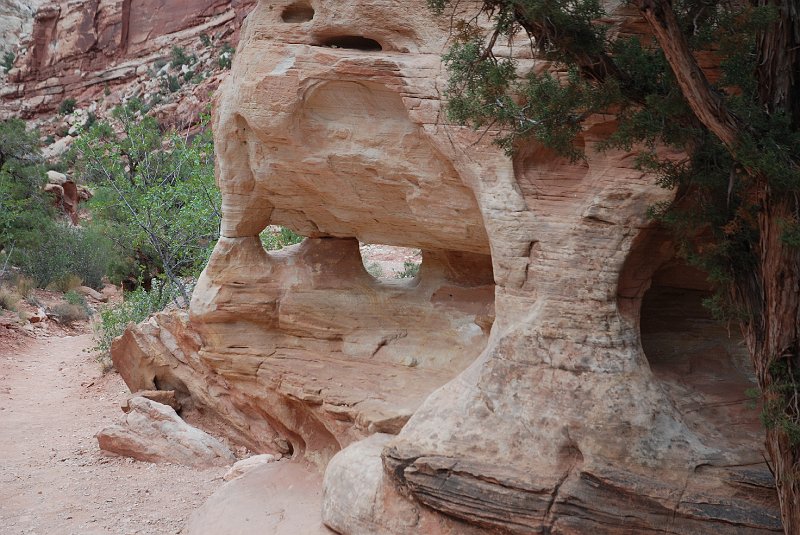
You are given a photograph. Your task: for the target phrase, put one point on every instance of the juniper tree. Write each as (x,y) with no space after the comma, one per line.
(738,215)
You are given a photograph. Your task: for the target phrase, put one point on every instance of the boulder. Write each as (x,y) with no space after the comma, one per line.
(154,433)
(91,293)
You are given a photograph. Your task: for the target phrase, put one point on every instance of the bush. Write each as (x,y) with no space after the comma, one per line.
(226,56)
(179,58)
(74,298)
(374,269)
(8,301)
(67,314)
(273,239)
(8,61)
(24,211)
(24,285)
(137,306)
(67,106)
(410,270)
(67,254)
(66,283)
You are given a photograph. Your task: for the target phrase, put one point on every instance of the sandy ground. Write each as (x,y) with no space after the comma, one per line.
(53,477)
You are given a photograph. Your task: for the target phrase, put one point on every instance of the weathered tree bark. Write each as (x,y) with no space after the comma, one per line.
(771,295)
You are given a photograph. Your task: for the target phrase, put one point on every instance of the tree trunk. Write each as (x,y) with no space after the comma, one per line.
(771,293)
(773,335)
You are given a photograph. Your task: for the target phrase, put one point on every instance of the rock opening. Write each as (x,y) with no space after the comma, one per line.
(296,13)
(353,42)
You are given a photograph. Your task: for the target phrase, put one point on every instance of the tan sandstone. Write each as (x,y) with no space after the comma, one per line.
(550,370)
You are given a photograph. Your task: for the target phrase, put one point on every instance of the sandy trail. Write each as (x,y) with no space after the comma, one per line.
(53,477)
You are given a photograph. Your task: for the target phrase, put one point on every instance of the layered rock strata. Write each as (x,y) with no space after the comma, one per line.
(549,354)
(82,49)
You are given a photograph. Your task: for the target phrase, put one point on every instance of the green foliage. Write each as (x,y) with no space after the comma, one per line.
(24,212)
(782,392)
(171,83)
(154,194)
(226,53)
(410,270)
(180,58)
(67,106)
(273,239)
(74,298)
(7,62)
(136,307)
(68,251)
(205,39)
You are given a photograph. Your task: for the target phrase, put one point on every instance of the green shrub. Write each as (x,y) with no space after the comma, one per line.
(180,58)
(226,56)
(136,307)
(205,39)
(410,270)
(66,254)
(171,83)
(67,106)
(272,239)
(8,61)
(74,298)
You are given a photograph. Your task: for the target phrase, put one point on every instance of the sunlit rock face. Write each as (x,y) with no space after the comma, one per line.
(550,370)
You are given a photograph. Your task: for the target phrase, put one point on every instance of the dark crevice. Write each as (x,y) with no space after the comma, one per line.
(297,13)
(353,42)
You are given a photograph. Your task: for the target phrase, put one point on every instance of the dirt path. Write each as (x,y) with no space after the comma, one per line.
(53,478)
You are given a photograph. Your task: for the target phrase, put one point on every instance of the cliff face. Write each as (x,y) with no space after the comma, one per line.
(16,20)
(79,49)
(550,370)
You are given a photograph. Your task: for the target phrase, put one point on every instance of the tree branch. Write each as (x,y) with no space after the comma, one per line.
(706,104)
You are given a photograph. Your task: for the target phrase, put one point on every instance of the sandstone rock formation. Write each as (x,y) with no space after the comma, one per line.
(16,20)
(550,369)
(66,194)
(155,433)
(280,498)
(81,49)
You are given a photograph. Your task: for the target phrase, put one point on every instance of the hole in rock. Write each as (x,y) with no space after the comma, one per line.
(298,12)
(275,237)
(703,365)
(354,42)
(389,262)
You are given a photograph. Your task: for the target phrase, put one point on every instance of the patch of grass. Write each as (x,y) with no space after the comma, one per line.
(67,314)
(24,285)
(66,283)
(8,300)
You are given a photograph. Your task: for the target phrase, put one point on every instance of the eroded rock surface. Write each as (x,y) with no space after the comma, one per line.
(543,395)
